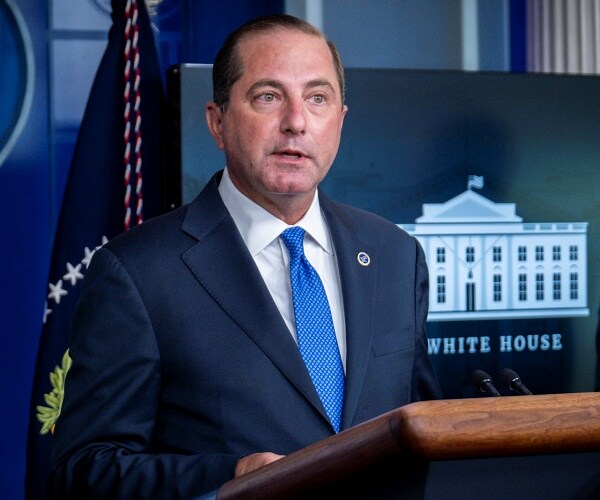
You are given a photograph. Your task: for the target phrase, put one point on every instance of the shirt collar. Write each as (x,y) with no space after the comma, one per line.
(259,227)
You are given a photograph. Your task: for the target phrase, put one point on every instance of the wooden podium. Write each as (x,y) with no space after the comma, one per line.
(545,446)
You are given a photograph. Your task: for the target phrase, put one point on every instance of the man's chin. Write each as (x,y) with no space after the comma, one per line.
(291,185)
(293,188)
(294,182)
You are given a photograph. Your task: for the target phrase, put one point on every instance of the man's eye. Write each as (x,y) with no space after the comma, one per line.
(318,99)
(266,97)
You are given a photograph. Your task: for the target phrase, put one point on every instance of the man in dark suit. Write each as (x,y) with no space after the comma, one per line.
(186,368)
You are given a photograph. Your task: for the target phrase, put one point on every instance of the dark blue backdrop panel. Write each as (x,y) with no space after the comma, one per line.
(518,36)
(25,237)
(206,24)
(530,136)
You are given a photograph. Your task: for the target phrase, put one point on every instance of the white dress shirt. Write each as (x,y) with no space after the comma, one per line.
(260,231)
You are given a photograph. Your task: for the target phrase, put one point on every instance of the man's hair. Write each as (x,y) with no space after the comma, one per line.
(227,68)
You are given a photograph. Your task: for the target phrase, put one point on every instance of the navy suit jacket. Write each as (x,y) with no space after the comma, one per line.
(182,362)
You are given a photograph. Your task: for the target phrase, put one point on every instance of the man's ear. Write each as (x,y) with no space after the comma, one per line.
(214,120)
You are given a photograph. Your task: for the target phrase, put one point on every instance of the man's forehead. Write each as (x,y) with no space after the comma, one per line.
(275,37)
(316,53)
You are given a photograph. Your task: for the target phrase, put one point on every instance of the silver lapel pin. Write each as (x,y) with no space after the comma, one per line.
(363,258)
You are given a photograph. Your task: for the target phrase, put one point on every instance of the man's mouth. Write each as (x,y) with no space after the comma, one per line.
(291,153)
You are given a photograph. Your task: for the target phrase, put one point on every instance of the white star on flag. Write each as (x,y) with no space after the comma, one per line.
(57,291)
(73,273)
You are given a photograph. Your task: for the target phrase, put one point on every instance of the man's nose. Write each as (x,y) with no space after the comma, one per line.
(293,120)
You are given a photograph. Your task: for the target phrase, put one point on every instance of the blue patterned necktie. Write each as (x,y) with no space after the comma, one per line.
(314,328)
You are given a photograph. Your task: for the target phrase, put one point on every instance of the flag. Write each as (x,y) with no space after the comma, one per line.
(475,181)
(115,181)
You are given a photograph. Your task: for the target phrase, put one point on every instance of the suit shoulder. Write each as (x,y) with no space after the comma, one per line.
(163,229)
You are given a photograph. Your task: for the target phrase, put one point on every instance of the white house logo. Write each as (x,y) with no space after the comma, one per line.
(17,70)
(486,263)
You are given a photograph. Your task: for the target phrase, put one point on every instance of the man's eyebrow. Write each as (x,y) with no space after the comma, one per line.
(320,83)
(264,83)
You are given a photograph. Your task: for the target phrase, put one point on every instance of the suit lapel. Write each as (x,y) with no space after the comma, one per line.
(358,290)
(226,270)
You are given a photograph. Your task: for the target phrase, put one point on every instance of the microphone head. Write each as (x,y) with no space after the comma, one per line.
(513,382)
(484,382)
(478,377)
(508,377)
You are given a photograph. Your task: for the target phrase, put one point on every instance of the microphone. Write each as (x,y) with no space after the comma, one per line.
(511,380)
(484,382)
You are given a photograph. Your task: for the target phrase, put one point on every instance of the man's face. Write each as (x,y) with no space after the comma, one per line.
(281,128)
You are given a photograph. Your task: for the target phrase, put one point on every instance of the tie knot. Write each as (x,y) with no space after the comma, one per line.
(293,238)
